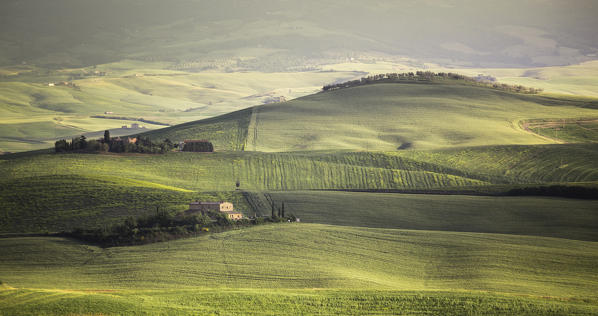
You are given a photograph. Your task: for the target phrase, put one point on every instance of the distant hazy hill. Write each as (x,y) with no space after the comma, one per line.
(287,34)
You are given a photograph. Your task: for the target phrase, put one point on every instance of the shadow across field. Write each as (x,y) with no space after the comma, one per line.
(538,216)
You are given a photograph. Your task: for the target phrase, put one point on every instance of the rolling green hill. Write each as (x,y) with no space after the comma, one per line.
(388,116)
(304,268)
(536,216)
(33,114)
(354,252)
(58,191)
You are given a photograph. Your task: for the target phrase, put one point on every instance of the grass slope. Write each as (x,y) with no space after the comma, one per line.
(537,216)
(54,191)
(226,132)
(321,170)
(279,302)
(31,112)
(372,117)
(571,130)
(57,203)
(345,262)
(386,116)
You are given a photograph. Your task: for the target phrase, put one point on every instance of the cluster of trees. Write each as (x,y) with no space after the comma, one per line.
(164,226)
(199,146)
(79,144)
(278,212)
(428,76)
(114,144)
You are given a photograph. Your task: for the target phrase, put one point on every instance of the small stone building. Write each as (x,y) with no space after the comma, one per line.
(233,215)
(224,207)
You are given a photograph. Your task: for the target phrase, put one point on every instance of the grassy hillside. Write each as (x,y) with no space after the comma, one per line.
(57,203)
(344,262)
(465,254)
(390,116)
(524,164)
(538,216)
(277,302)
(373,117)
(226,132)
(568,130)
(33,113)
(320,170)
(56,191)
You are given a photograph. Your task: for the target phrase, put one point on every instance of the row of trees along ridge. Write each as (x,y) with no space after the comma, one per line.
(428,76)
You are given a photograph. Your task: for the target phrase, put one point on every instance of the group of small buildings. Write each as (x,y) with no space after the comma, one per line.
(133,126)
(274,99)
(205,208)
(125,140)
(62,83)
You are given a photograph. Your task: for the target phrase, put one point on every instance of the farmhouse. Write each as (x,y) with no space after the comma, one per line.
(205,207)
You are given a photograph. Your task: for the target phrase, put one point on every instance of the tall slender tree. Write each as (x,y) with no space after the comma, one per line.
(107,137)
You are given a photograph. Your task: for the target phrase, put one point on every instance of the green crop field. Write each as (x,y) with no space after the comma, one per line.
(304,268)
(388,116)
(450,170)
(50,192)
(34,114)
(505,215)
(567,130)
(353,252)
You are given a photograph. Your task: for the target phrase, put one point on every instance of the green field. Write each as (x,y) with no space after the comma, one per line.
(51,192)
(388,116)
(300,267)
(566,130)
(34,114)
(537,216)
(417,194)
(442,252)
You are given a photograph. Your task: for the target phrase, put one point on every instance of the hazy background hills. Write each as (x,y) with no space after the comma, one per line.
(283,35)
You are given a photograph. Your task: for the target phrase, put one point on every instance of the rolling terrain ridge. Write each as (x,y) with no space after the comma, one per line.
(354,252)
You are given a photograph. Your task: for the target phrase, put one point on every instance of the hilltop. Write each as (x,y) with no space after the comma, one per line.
(387,116)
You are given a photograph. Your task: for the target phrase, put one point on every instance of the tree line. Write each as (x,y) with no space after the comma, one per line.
(428,76)
(164,226)
(137,144)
